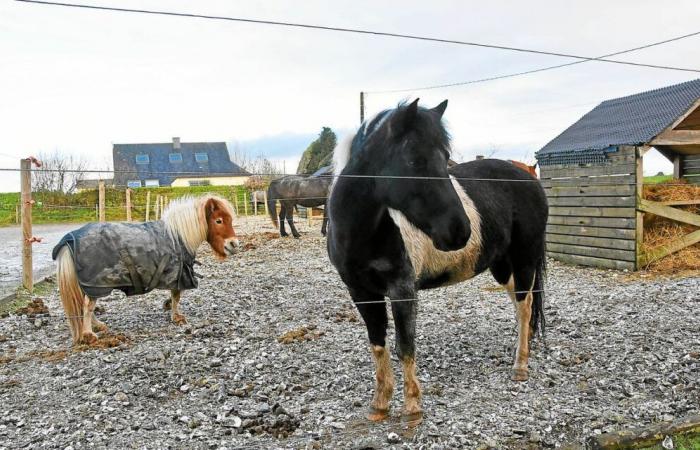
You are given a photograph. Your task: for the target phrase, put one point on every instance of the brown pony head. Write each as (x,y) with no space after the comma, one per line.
(220,233)
(527,168)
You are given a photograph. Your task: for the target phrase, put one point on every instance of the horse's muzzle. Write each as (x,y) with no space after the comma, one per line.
(232,246)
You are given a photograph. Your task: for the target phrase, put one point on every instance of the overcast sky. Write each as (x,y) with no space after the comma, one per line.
(79,80)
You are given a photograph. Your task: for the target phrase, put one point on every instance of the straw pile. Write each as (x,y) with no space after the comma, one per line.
(659,231)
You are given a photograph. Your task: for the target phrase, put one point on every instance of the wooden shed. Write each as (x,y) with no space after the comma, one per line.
(592,174)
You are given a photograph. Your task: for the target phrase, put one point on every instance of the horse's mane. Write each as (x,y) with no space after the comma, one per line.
(185,218)
(353,144)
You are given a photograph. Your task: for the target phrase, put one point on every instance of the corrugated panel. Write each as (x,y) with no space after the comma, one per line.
(631,120)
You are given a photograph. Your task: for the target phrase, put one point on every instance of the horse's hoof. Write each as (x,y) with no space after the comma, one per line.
(179,319)
(519,375)
(166,305)
(377,415)
(88,338)
(412,419)
(297,236)
(99,327)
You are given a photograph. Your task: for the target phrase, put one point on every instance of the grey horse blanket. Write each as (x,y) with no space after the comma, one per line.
(134,258)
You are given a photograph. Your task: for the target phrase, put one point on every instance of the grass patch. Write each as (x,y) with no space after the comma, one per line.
(658,179)
(680,443)
(57,207)
(22,298)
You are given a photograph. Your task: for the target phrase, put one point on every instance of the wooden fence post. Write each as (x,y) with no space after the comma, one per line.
(157,207)
(26,196)
(309,215)
(254,196)
(17,214)
(148,205)
(101,200)
(235,201)
(267,210)
(128,205)
(245,202)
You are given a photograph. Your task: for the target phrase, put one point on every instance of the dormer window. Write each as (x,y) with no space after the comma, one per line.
(175,157)
(142,159)
(201,157)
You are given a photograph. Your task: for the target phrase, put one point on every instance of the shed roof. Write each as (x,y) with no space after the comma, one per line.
(632,120)
(160,167)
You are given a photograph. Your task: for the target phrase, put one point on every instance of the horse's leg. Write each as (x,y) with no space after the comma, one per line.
(87,335)
(520,288)
(282,216)
(290,220)
(404,312)
(97,325)
(325,219)
(176,315)
(375,318)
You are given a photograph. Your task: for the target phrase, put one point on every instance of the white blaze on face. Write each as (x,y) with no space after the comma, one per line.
(428,260)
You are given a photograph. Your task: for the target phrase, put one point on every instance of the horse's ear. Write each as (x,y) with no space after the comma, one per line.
(405,118)
(440,109)
(211,206)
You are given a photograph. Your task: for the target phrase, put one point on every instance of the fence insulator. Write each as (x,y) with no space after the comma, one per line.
(33,160)
(34,239)
(30,202)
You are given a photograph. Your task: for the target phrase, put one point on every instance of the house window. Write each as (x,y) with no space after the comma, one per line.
(200,183)
(134,183)
(152,183)
(175,157)
(201,157)
(142,159)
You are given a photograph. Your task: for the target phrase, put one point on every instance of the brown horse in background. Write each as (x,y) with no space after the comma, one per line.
(527,168)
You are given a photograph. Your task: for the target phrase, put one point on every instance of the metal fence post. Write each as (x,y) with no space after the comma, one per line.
(128,205)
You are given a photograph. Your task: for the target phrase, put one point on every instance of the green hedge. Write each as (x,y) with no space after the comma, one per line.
(57,207)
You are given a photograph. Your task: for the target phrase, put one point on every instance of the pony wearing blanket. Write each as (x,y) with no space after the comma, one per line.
(401,221)
(137,258)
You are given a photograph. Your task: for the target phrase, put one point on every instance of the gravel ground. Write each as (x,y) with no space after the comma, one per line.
(275,356)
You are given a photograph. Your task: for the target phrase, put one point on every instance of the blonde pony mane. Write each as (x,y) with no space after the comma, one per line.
(186,218)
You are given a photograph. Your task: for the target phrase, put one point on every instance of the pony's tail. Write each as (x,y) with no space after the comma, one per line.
(272,207)
(72,296)
(537,321)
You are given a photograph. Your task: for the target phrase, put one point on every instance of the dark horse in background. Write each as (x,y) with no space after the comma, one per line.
(292,190)
(421,225)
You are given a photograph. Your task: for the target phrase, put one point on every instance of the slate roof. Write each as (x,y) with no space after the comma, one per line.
(631,120)
(159,165)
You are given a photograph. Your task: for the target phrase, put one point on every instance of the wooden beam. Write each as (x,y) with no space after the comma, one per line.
(26,196)
(677,137)
(669,212)
(639,216)
(672,247)
(680,202)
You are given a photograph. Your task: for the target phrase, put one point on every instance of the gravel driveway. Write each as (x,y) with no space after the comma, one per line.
(275,356)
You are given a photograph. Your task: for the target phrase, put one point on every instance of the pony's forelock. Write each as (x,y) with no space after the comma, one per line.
(186,218)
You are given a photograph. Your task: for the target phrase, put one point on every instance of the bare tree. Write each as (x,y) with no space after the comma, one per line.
(59,172)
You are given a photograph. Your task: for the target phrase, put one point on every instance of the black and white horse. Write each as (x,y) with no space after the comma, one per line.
(400,221)
(292,190)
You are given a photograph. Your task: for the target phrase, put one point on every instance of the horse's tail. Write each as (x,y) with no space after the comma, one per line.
(272,207)
(72,296)
(537,317)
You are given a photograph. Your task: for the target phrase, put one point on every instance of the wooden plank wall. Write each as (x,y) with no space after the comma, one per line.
(592,211)
(691,168)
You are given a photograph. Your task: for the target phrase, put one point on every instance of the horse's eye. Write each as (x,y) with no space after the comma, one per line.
(219,221)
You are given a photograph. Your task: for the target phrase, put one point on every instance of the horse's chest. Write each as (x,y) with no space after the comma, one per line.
(433,267)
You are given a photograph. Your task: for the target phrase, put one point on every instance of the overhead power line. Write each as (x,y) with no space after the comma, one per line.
(541,69)
(356,31)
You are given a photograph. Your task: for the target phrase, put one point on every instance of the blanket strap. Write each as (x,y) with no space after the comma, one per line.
(159,271)
(135,278)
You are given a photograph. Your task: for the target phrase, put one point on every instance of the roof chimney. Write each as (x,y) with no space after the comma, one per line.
(176,143)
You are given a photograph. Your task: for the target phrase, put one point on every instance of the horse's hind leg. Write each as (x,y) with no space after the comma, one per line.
(176,315)
(97,325)
(404,309)
(290,221)
(282,216)
(520,289)
(375,318)
(87,335)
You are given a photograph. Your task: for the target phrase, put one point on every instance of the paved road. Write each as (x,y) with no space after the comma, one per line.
(11,253)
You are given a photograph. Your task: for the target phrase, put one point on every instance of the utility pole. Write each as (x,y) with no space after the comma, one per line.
(362,107)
